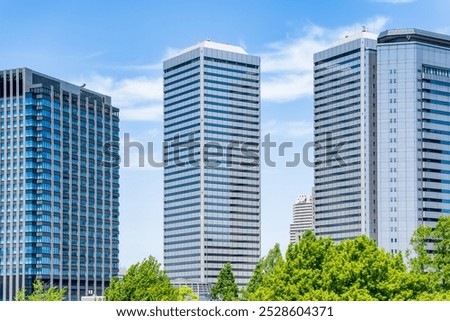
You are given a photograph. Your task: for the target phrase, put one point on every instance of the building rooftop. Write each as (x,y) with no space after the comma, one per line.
(64,85)
(215,45)
(348,43)
(358,35)
(303,199)
(35,79)
(413,34)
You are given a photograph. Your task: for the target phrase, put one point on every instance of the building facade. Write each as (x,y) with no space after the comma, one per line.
(302,217)
(413,133)
(212,167)
(59,209)
(345,138)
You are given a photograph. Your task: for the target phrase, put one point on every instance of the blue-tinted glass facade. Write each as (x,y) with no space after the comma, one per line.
(59,210)
(345,138)
(212,170)
(414,129)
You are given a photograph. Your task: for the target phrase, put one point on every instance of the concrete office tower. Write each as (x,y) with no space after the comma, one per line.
(413,133)
(302,217)
(212,171)
(345,138)
(59,201)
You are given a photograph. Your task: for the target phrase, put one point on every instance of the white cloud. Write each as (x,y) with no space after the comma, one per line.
(287,72)
(291,129)
(170,52)
(287,66)
(287,87)
(139,98)
(95,54)
(157,67)
(142,114)
(294,54)
(374,25)
(128,90)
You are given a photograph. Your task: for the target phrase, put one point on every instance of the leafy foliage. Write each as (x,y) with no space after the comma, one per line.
(263,268)
(40,294)
(318,269)
(185,293)
(145,281)
(436,266)
(225,288)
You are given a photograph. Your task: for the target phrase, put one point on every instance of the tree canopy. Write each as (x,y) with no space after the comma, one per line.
(356,269)
(225,288)
(435,266)
(316,269)
(40,294)
(146,281)
(262,269)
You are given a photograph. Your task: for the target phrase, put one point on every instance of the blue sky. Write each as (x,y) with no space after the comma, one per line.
(117,48)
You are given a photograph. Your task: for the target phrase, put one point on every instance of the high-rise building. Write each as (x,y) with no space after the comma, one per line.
(413,133)
(212,170)
(302,217)
(59,214)
(345,138)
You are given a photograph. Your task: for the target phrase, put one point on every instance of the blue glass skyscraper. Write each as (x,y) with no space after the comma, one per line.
(413,133)
(345,138)
(212,170)
(59,213)
(386,99)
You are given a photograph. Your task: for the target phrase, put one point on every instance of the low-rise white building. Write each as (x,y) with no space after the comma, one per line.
(303,217)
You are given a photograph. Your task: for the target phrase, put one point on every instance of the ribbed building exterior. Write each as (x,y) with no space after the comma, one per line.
(59,209)
(413,133)
(345,138)
(212,170)
(302,217)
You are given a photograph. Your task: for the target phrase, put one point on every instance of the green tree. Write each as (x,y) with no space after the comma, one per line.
(263,268)
(185,293)
(297,274)
(145,281)
(225,288)
(318,269)
(435,265)
(421,261)
(441,256)
(40,294)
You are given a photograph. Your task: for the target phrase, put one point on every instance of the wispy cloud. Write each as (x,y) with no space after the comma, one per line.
(95,54)
(169,53)
(287,66)
(287,73)
(291,129)
(139,98)
(374,25)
